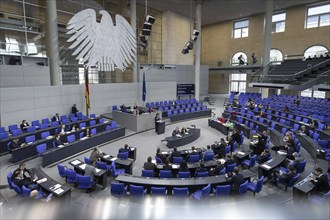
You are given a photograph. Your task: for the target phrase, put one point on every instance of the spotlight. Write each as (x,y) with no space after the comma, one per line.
(190,45)
(194,38)
(143,38)
(147,26)
(196,32)
(150,19)
(146,32)
(185,50)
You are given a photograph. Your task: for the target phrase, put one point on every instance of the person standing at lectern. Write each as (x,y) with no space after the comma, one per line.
(157,118)
(74,110)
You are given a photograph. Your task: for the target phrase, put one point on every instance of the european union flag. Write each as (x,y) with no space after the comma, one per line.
(144,90)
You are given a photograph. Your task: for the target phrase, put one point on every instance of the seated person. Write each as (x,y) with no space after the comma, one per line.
(202,168)
(24,125)
(262,114)
(303,130)
(58,142)
(235,135)
(192,152)
(268,107)
(56,117)
(208,150)
(263,157)
(236,180)
(283,177)
(135,107)
(63,130)
(124,149)
(258,145)
(260,105)
(15,143)
(160,155)
(286,109)
(183,167)
(90,170)
(219,148)
(314,124)
(320,180)
(175,153)
(74,128)
(149,165)
(265,136)
(176,132)
(150,110)
(87,133)
(184,130)
(167,165)
(19,178)
(229,160)
(216,170)
(95,155)
(213,116)
(229,124)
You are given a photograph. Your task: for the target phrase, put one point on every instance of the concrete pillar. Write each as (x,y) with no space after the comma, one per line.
(52,43)
(198,48)
(133,24)
(268,34)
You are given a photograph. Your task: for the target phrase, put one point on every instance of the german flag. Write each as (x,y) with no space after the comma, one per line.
(87,90)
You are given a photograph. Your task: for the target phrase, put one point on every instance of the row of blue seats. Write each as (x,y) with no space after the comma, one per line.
(170,102)
(187,110)
(178,107)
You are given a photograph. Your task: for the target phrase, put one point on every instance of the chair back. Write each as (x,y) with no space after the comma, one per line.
(10,182)
(158,191)
(183,174)
(31,129)
(253,160)
(193,158)
(35,123)
(16,132)
(3,135)
(82,125)
(180,192)
(17,189)
(84,182)
(165,174)
(61,170)
(92,122)
(43,126)
(158,160)
(123,155)
(222,190)
(206,190)
(293,180)
(136,190)
(230,167)
(54,123)
(29,139)
(45,134)
(87,160)
(113,124)
(227,149)
(102,165)
(208,156)
(71,138)
(243,188)
(12,128)
(202,174)
(301,166)
(148,173)
(223,171)
(71,176)
(259,184)
(26,191)
(41,148)
(118,188)
(177,160)
(45,121)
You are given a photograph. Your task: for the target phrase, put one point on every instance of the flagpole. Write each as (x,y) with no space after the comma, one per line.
(86,78)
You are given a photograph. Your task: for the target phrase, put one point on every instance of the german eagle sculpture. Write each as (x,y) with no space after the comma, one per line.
(102,44)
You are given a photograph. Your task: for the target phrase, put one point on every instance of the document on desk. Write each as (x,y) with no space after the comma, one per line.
(97,170)
(42,180)
(59,191)
(75,162)
(266,166)
(53,188)
(240,153)
(106,156)
(175,166)
(83,166)
(114,158)
(132,148)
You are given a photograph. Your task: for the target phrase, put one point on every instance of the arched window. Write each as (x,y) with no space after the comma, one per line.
(234,59)
(275,55)
(315,50)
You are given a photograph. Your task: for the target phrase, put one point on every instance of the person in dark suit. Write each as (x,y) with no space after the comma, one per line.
(24,125)
(183,166)
(229,160)
(192,152)
(235,135)
(19,177)
(149,165)
(216,170)
(14,144)
(167,165)
(258,146)
(74,110)
(124,149)
(176,132)
(57,141)
(201,169)
(236,180)
(160,155)
(184,130)
(95,155)
(304,130)
(219,148)
(175,153)
(320,181)
(283,177)
(56,117)
(157,118)
(265,135)
(263,157)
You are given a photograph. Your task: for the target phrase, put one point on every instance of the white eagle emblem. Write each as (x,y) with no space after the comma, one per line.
(102,44)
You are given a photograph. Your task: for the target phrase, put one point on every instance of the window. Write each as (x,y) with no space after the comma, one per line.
(278,22)
(275,55)
(241,28)
(12,45)
(318,16)
(316,50)
(312,93)
(235,60)
(238,83)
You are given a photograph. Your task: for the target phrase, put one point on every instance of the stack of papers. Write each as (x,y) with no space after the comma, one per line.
(175,166)
(97,170)
(266,166)
(281,153)
(106,156)
(58,191)
(240,153)
(75,162)
(42,180)
(83,166)
(114,158)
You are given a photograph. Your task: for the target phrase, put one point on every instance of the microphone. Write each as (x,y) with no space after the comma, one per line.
(194,126)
